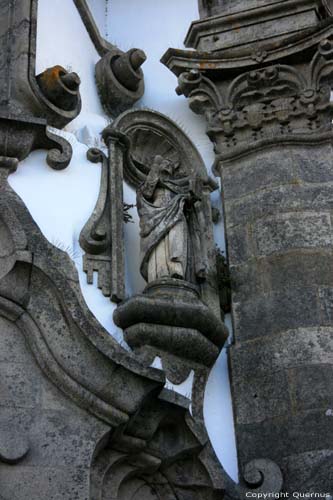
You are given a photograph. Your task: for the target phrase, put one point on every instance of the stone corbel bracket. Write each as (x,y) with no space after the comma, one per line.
(119,76)
(28,103)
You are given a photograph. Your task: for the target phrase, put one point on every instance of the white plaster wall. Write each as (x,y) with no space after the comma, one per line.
(61,202)
(154,26)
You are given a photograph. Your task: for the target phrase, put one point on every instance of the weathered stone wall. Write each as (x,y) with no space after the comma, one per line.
(36,419)
(278,209)
(220,7)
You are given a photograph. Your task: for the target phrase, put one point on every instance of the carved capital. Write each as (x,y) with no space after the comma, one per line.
(277,102)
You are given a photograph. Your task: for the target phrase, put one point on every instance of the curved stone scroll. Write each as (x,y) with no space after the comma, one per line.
(142,463)
(263,475)
(160,455)
(119,77)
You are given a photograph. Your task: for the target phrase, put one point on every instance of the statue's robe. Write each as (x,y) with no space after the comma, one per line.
(171,241)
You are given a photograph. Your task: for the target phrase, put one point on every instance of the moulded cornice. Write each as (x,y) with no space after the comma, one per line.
(279,12)
(210,8)
(179,61)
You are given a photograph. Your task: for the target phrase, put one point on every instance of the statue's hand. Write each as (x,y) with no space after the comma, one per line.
(191,198)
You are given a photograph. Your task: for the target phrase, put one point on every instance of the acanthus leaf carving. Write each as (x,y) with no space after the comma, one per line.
(204,97)
(256,105)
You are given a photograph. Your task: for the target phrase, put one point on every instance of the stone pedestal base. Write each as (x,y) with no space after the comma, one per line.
(169,320)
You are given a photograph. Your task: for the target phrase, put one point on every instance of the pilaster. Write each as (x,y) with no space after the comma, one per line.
(269,116)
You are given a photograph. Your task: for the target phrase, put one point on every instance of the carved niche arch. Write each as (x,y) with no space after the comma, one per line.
(151,133)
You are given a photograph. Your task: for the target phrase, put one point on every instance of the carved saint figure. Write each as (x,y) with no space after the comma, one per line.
(170,222)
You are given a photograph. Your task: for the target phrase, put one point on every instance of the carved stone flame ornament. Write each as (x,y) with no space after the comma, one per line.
(119,77)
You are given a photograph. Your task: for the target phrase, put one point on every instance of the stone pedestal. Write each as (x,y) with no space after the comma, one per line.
(170,321)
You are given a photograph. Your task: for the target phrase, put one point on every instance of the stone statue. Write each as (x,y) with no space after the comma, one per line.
(171,226)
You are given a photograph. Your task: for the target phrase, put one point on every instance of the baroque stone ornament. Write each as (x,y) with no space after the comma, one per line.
(265,93)
(119,76)
(80,416)
(103,237)
(29,103)
(177,250)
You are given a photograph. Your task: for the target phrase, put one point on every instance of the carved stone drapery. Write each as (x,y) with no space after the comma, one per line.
(155,323)
(134,139)
(29,103)
(269,115)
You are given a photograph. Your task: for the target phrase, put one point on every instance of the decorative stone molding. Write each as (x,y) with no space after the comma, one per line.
(268,103)
(81,417)
(232,24)
(162,454)
(263,105)
(119,76)
(29,103)
(102,237)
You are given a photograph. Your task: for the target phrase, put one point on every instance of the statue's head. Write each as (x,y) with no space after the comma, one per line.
(165,165)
